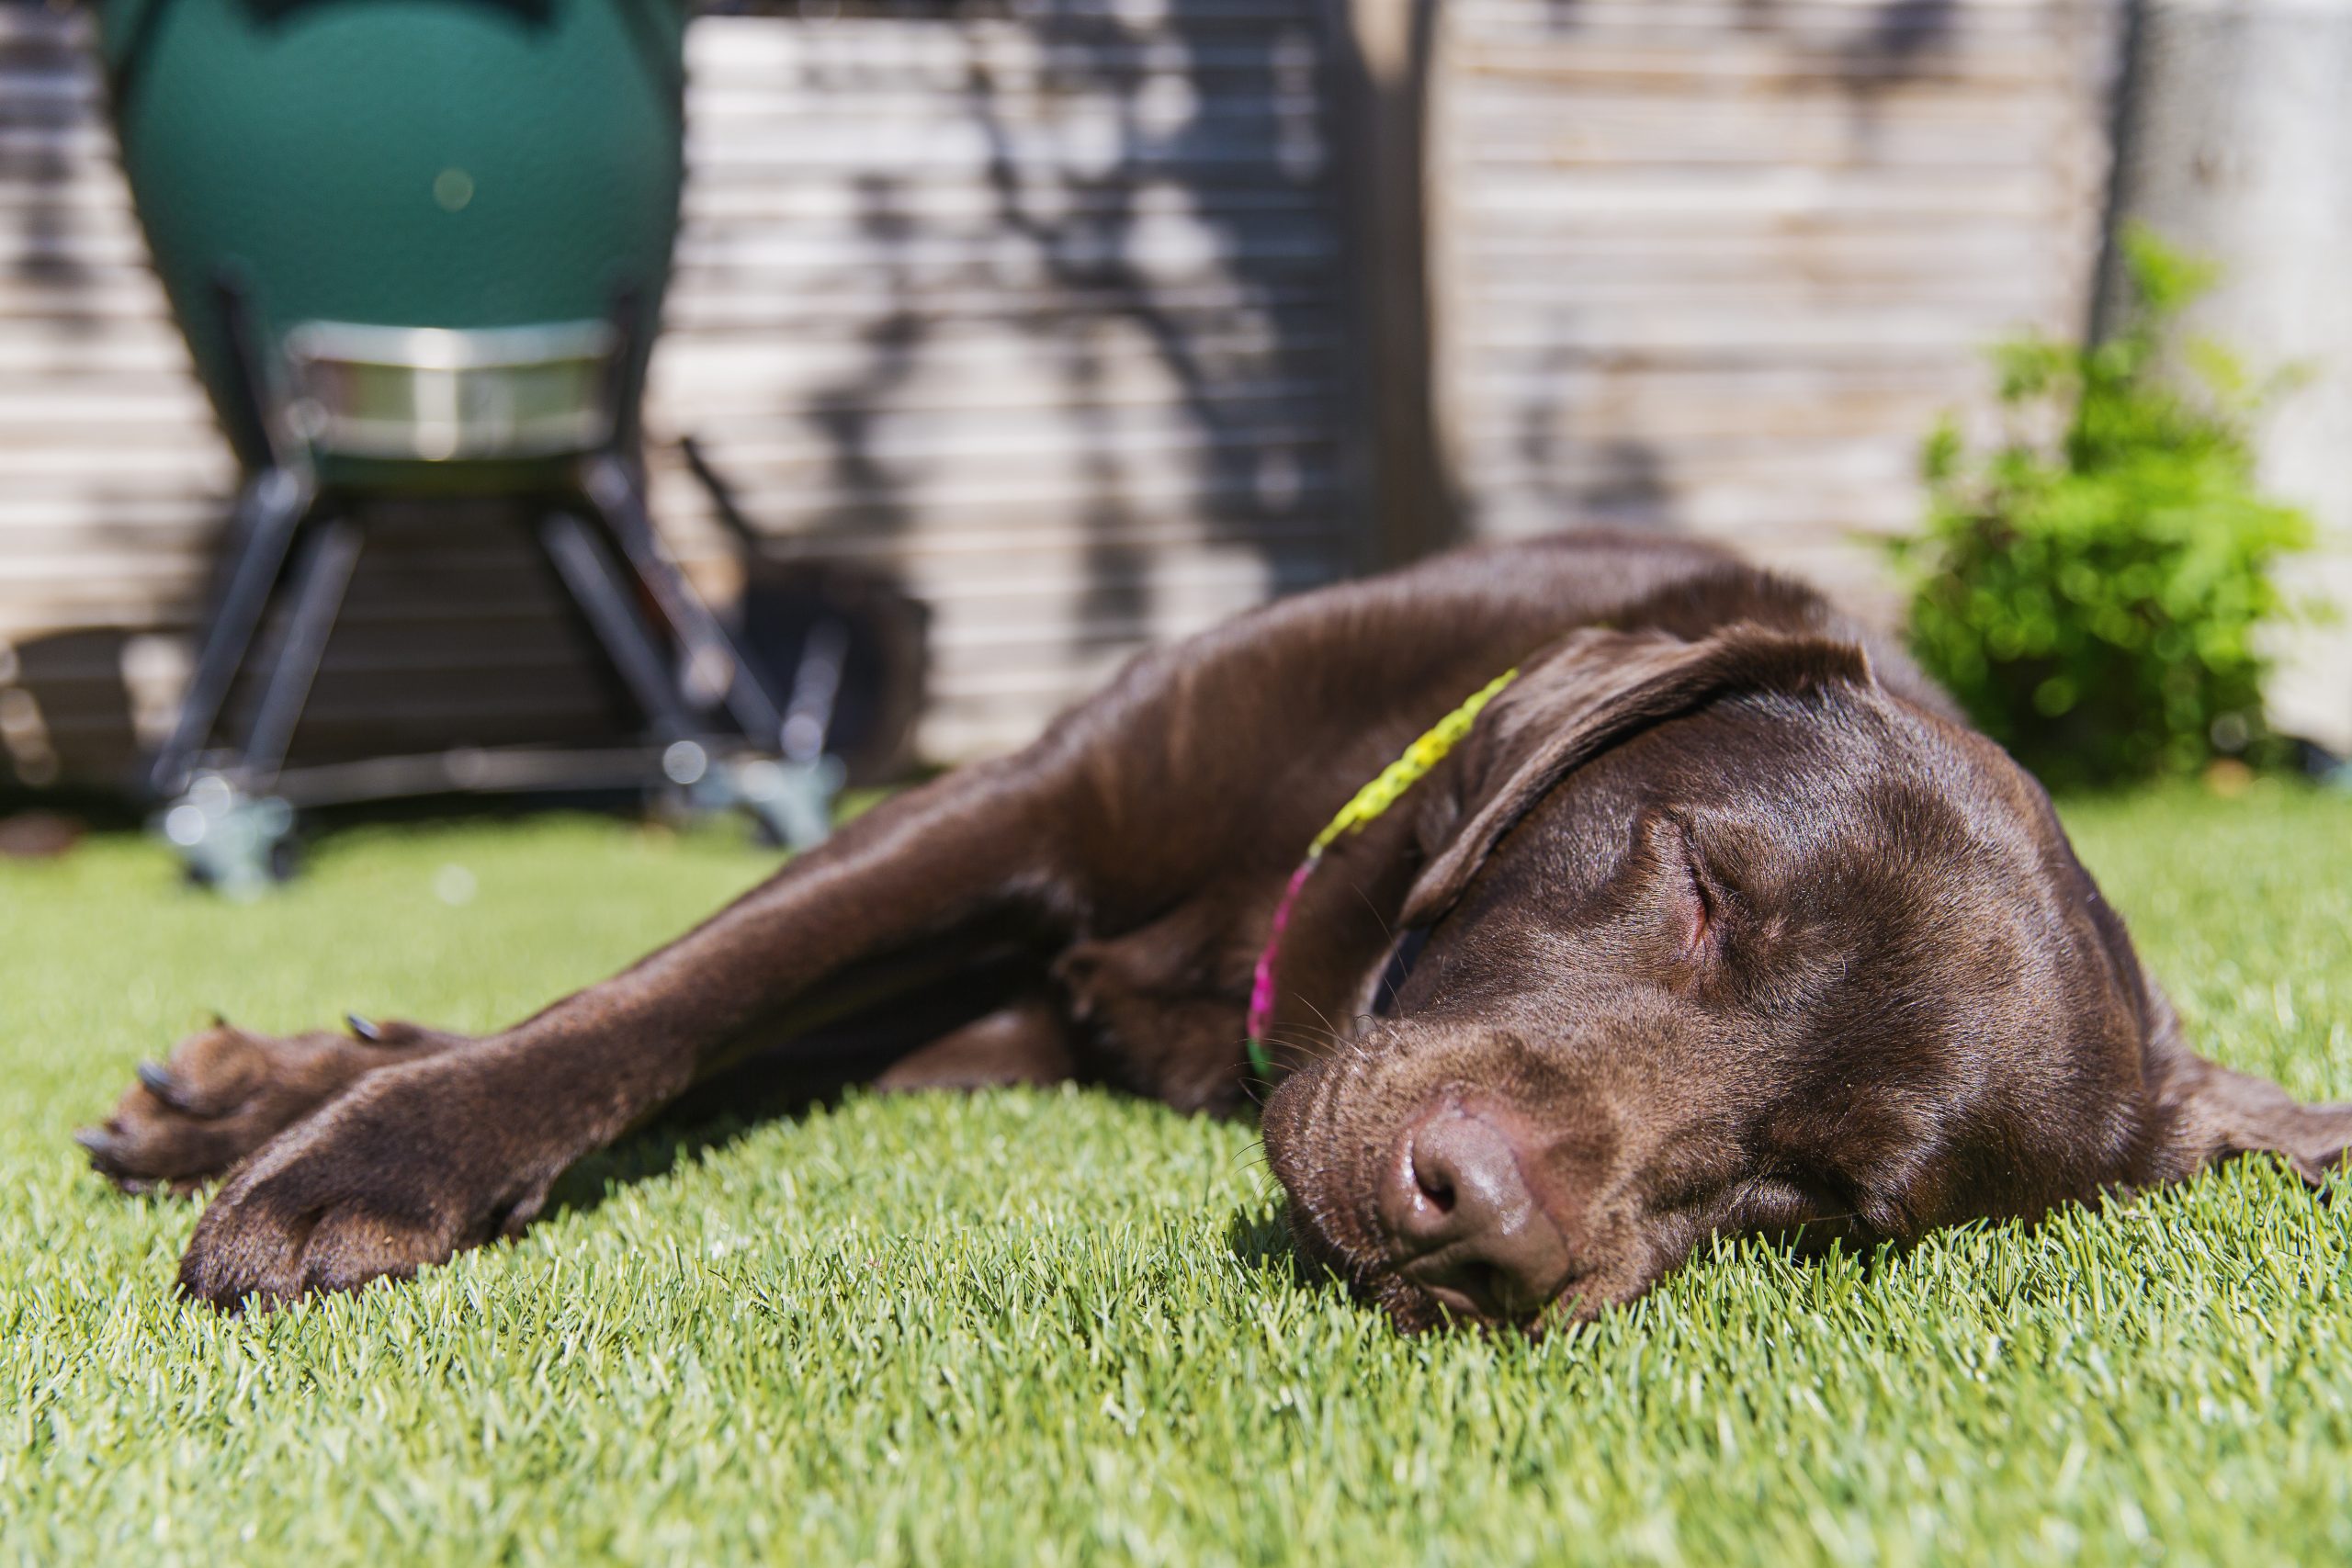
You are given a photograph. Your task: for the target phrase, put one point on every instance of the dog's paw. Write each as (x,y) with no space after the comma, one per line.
(225,1093)
(410,1167)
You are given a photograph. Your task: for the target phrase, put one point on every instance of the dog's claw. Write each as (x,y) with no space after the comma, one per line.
(107,1154)
(364,1028)
(159,1082)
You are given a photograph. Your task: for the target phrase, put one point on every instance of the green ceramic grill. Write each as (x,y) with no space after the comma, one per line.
(427,227)
(420,246)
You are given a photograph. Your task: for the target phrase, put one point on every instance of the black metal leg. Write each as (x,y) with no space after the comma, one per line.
(269,511)
(321,575)
(816,686)
(612,489)
(817,679)
(596,586)
(244,412)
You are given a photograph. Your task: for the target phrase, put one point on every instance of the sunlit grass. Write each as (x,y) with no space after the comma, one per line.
(1045,1328)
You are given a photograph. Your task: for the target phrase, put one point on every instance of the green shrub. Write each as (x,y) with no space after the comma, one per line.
(2090,588)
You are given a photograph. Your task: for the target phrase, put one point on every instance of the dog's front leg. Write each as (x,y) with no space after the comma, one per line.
(419,1161)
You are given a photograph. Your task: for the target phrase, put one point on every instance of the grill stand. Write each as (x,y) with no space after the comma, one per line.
(718,738)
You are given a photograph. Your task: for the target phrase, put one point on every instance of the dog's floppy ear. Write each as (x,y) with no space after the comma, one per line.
(2217,1115)
(1577,698)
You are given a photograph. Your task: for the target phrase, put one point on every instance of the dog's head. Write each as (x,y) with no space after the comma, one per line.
(1724,935)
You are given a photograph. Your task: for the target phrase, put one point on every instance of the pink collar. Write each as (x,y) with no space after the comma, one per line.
(1367,803)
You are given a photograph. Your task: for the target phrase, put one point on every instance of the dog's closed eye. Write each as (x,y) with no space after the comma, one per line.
(1695,901)
(1702,923)
(1701,901)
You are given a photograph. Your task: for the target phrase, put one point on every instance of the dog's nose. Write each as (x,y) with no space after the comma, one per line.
(1458,1201)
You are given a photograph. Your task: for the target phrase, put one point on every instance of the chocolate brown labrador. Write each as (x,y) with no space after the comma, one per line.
(1721,921)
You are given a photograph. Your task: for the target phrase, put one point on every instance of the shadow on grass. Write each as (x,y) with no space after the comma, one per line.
(641,1157)
(1259,1237)
(710,1118)
(800,1071)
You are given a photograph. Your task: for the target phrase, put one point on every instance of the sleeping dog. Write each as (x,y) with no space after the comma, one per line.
(1715,918)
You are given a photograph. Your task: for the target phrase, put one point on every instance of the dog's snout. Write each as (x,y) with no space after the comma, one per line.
(1467,1218)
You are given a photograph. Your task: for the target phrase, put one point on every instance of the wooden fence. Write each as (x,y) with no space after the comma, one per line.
(1067,316)
(1719,265)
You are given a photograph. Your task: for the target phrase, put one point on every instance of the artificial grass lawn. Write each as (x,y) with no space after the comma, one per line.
(1036,1327)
